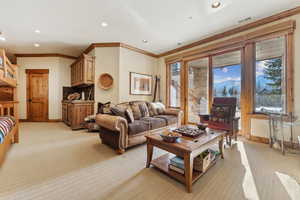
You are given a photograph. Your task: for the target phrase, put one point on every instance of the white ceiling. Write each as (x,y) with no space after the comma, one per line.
(69,26)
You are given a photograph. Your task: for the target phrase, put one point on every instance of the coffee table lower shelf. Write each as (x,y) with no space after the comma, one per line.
(162,163)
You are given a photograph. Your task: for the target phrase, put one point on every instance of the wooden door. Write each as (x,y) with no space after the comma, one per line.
(37,95)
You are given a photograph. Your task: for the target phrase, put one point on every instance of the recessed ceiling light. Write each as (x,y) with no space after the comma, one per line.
(2,38)
(215,4)
(104,24)
(37,31)
(36,45)
(145,41)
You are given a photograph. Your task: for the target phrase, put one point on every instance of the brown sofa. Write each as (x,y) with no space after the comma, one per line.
(119,133)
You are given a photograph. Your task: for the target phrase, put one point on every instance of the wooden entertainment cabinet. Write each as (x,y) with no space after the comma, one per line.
(74,112)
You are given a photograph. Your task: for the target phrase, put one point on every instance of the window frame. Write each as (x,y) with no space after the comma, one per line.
(168,84)
(246,42)
(288,75)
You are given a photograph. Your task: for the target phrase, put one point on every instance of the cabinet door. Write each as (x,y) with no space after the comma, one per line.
(72,75)
(64,112)
(69,113)
(89,70)
(81,72)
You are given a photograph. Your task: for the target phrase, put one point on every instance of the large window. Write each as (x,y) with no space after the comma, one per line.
(256,67)
(175,84)
(270,87)
(227,76)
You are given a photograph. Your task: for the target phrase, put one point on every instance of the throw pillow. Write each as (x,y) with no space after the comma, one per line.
(129,115)
(104,108)
(152,109)
(136,110)
(118,111)
(144,110)
(160,108)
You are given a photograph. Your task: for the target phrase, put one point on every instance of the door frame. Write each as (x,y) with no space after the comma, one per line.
(35,71)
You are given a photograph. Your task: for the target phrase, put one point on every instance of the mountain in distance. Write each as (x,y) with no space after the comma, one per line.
(237,84)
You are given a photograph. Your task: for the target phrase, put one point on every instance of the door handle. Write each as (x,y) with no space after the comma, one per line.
(29,100)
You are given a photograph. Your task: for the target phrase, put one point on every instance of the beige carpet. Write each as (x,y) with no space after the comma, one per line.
(53,162)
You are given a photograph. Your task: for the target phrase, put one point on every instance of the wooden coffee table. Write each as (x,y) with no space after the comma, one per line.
(187,148)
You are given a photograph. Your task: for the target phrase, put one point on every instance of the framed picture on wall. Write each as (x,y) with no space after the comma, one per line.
(140,84)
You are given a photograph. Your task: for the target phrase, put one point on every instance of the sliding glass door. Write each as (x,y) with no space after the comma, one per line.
(193,84)
(197,89)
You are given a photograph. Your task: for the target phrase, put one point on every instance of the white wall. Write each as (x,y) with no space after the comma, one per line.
(118,62)
(259,127)
(59,76)
(131,61)
(107,61)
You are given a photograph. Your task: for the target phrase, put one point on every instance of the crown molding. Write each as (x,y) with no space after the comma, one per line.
(45,55)
(119,44)
(236,30)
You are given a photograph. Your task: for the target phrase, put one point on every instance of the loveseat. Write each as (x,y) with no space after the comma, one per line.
(126,124)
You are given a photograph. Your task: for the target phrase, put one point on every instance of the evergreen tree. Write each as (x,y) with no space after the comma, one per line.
(235,92)
(224,91)
(231,91)
(258,87)
(273,72)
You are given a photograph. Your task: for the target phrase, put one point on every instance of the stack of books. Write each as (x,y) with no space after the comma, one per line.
(177,164)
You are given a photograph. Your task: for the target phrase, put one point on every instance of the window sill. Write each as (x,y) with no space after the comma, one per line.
(266,117)
(258,116)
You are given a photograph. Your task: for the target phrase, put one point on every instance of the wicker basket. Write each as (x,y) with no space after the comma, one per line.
(202,162)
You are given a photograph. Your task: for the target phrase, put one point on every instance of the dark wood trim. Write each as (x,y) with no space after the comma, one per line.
(210,82)
(240,41)
(236,30)
(290,46)
(247,85)
(119,44)
(37,71)
(259,139)
(49,120)
(45,55)
(138,50)
(54,120)
(265,140)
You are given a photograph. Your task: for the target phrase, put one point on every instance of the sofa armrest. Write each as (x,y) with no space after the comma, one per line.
(111,122)
(177,112)
(172,112)
(118,128)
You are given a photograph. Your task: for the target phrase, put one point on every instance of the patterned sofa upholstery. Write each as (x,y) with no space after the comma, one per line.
(119,132)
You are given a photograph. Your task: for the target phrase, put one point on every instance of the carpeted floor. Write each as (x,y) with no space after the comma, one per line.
(53,162)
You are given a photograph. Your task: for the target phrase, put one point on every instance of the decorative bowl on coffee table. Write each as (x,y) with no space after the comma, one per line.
(170,137)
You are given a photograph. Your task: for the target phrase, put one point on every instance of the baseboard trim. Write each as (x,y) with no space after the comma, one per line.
(259,139)
(266,141)
(49,120)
